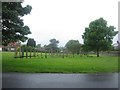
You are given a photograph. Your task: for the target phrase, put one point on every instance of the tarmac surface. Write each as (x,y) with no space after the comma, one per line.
(53,80)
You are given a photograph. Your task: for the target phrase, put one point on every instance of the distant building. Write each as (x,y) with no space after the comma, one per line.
(117,45)
(11,46)
(0,48)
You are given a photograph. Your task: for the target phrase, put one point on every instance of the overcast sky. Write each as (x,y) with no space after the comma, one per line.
(66,19)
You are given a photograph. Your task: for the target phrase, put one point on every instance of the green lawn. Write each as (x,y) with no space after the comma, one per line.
(59,65)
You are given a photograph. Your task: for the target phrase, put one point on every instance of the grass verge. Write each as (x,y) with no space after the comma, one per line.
(78,64)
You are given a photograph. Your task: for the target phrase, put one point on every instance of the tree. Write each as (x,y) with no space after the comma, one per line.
(73,46)
(13,28)
(53,46)
(38,46)
(31,42)
(98,36)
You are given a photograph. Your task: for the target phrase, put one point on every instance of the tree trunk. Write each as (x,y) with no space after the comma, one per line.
(45,54)
(22,52)
(16,52)
(37,52)
(73,55)
(19,52)
(66,54)
(30,53)
(63,55)
(34,53)
(51,52)
(41,55)
(97,53)
(26,53)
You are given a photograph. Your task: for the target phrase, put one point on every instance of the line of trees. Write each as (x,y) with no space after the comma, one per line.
(97,37)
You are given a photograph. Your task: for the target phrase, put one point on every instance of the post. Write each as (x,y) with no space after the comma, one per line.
(16,52)
(45,54)
(30,52)
(37,52)
(22,49)
(63,55)
(27,52)
(97,53)
(41,55)
(34,53)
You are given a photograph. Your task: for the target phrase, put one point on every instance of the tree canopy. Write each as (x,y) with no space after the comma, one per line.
(73,46)
(13,28)
(31,42)
(98,36)
(53,45)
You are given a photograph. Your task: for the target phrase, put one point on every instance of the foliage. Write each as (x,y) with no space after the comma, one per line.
(73,46)
(26,48)
(38,46)
(53,46)
(13,28)
(98,36)
(31,42)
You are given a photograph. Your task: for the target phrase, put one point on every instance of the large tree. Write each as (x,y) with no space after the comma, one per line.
(13,28)
(73,46)
(53,46)
(31,42)
(98,36)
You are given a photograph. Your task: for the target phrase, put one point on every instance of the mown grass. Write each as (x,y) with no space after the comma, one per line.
(79,64)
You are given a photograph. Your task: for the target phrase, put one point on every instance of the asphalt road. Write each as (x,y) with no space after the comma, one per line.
(45,80)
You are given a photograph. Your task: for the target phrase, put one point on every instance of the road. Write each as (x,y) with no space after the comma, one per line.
(47,80)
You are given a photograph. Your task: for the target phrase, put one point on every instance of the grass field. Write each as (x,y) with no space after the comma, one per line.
(78,64)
